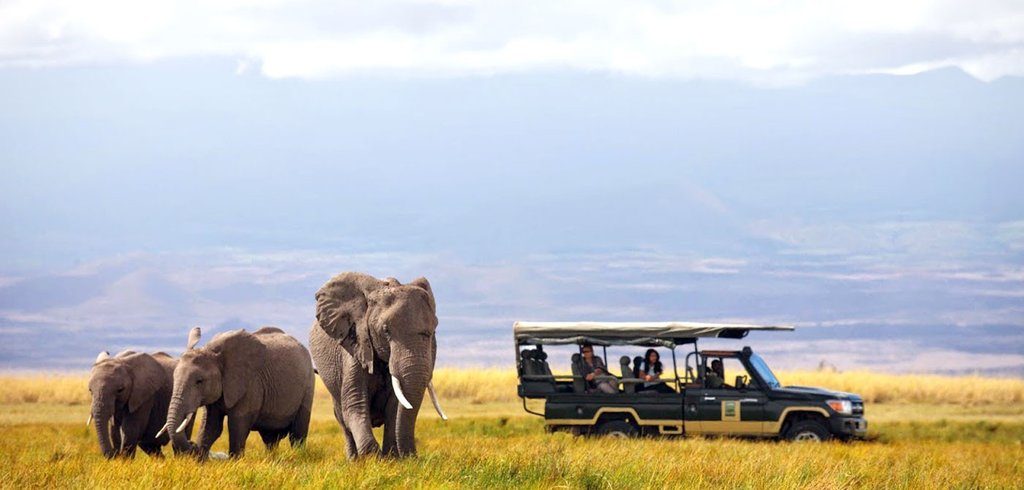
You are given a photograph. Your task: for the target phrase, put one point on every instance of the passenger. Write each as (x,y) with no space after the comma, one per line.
(715,377)
(650,371)
(593,366)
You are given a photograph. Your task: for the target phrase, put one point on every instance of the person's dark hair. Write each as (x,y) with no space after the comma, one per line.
(718,367)
(647,360)
(585,345)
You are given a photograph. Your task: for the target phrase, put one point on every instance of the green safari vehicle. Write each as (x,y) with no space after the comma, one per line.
(701,401)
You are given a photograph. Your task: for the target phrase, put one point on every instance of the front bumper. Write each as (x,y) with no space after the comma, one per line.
(849,426)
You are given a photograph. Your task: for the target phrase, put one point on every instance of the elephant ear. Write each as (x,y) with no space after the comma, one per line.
(241,356)
(147,378)
(341,307)
(423,283)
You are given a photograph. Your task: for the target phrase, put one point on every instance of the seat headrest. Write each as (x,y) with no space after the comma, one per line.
(576,358)
(624,360)
(540,355)
(638,360)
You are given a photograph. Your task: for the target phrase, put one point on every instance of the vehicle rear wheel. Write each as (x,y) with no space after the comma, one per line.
(618,429)
(808,431)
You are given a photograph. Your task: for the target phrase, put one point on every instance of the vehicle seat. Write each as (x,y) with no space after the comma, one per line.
(579,385)
(533,363)
(540,359)
(627,372)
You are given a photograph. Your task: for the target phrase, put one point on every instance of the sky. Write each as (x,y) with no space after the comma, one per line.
(853,170)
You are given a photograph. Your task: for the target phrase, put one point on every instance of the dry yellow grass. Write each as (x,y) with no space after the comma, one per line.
(914,388)
(974,437)
(487,385)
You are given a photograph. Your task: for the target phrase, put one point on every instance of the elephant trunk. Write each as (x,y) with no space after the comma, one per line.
(102,413)
(411,379)
(179,414)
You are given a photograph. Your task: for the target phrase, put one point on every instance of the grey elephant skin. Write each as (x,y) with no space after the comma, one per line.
(130,396)
(374,345)
(260,381)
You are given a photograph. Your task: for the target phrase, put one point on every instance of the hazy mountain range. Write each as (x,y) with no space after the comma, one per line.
(882,215)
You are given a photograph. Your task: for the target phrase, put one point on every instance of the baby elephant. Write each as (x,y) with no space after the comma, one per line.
(261,381)
(133,389)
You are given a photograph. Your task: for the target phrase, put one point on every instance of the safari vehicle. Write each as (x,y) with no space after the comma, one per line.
(701,400)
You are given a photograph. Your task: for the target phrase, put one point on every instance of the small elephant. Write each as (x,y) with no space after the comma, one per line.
(261,381)
(374,345)
(130,396)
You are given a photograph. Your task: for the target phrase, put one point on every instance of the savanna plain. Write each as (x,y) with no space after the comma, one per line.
(926,432)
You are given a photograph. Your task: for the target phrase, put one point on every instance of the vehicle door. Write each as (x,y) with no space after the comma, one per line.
(727,410)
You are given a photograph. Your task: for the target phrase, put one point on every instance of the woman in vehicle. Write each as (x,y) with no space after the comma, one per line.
(593,367)
(650,371)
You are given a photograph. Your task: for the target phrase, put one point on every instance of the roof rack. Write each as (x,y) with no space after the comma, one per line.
(666,334)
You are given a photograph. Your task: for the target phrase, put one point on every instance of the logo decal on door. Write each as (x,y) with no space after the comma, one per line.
(731,410)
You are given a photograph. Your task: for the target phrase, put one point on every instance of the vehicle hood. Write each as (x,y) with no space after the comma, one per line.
(816,393)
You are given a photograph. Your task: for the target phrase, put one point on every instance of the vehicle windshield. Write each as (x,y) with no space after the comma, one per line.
(762,369)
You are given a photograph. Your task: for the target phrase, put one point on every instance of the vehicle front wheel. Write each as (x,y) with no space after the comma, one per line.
(618,429)
(808,431)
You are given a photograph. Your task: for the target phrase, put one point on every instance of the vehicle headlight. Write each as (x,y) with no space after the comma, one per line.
(844,407)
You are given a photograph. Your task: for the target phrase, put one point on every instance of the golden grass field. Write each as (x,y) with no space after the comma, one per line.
(927,432)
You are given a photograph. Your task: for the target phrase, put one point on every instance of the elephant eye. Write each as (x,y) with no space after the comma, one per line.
(425,334)
(199,381)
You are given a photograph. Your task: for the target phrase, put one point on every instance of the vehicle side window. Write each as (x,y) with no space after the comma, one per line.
(734,368)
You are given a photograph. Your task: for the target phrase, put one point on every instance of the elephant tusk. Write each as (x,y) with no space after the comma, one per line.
(162,431)
(398,392)
(185,422)
(433,398)
(89,422)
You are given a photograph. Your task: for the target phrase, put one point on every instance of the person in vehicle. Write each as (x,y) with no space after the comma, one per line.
(650,371)
(715,376)
(593,366)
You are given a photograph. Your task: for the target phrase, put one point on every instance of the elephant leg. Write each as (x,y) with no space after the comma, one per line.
(239,427)
(356,403)
(356,414)
(350,444)
(390,447)
(272,437)
(153,450)
(128,444)
(131,432)
(338,416)
(213,425)
(115,433)
(300,426)
(362,434)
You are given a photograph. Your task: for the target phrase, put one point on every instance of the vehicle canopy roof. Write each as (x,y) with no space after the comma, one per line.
(650,334)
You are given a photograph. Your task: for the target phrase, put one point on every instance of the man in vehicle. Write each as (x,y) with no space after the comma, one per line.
(593,366)
(715,376)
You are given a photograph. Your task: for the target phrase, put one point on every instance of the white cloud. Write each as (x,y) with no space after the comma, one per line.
(750,41)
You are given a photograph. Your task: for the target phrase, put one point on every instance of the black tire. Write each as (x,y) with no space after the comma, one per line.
(808,430)
(618,428)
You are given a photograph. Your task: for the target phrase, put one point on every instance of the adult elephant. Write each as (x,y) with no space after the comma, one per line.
(130,395)
(374,345)
(260,381)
